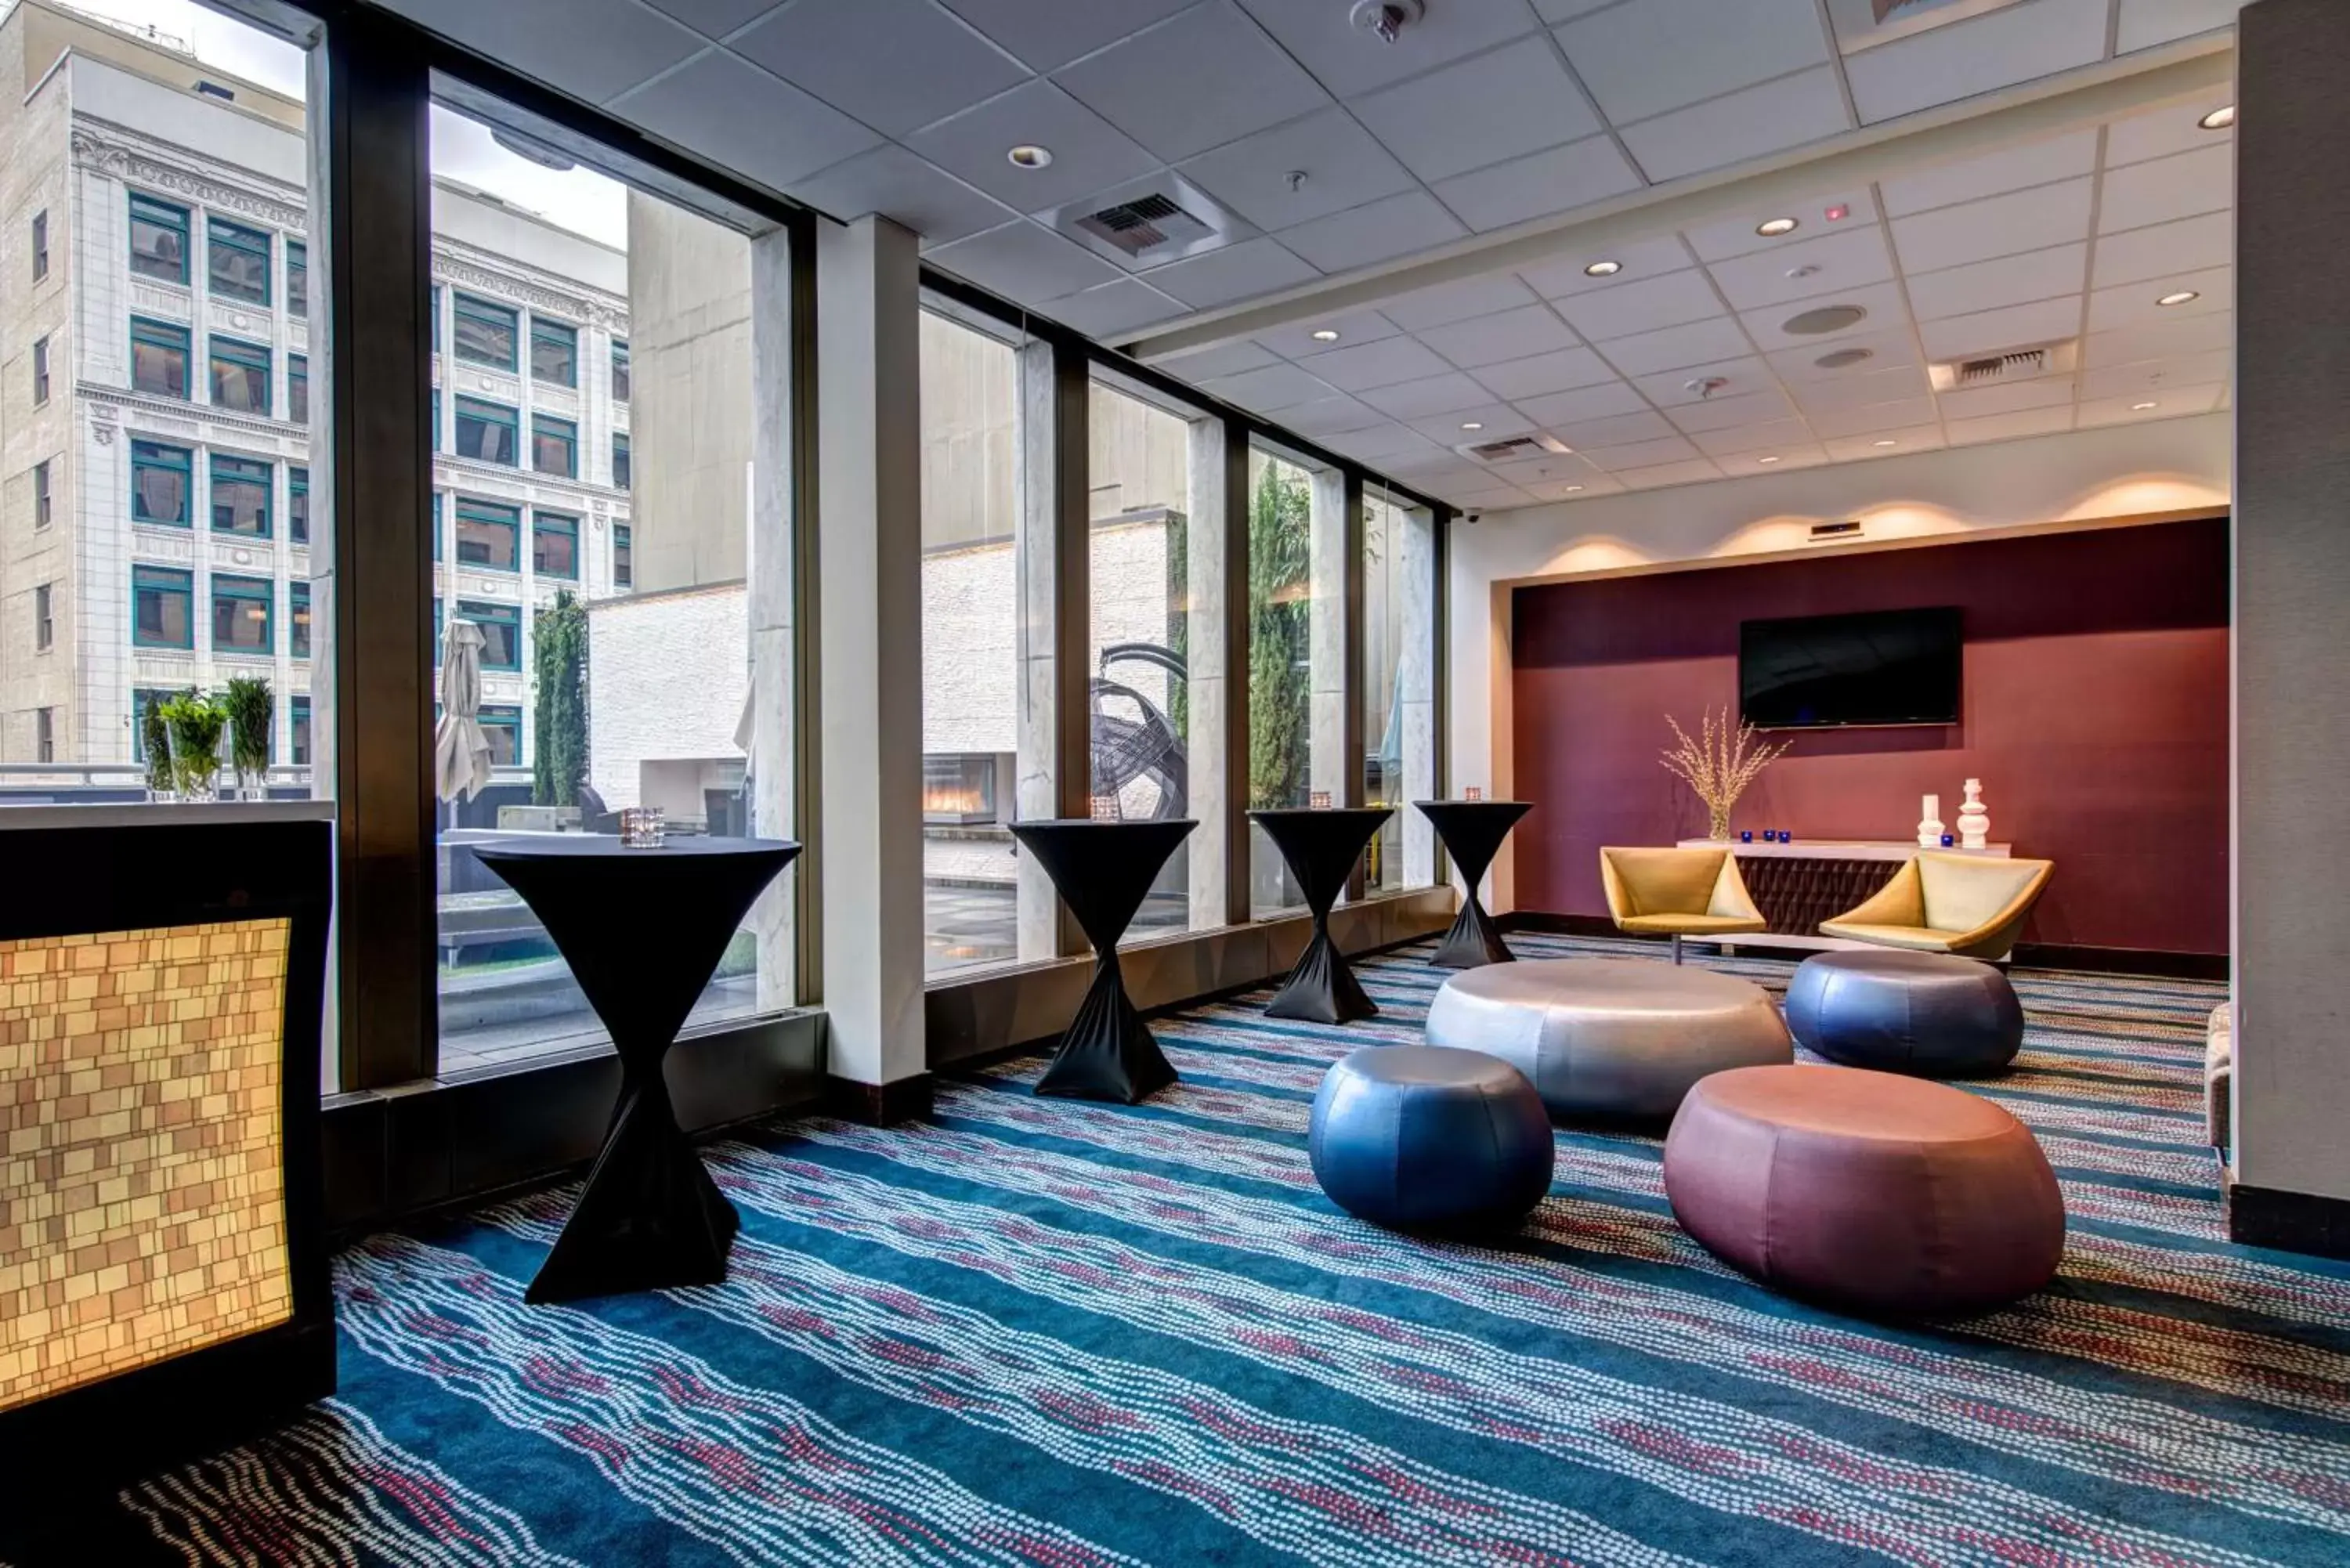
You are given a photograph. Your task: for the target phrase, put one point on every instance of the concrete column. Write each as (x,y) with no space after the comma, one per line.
(770,567)
(1215,567)
(2292,936)
(870,658)
(1051,563)
(1414,542)
(1327,639)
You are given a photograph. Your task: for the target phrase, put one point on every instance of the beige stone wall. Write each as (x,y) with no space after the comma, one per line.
(690,395)
(143,1207)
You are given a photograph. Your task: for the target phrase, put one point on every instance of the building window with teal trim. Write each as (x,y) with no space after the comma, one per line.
(624,556)
(297,618)
(435,292)
(487,431)
(300,757)
(241,496)
(502,727)
(141,699)
(619,370)
(487,332)
(236,261)
(159,239)
(436,634)
(297,504)
(298,278)
(240,375)
(160,481)
(489,535)
(297,388)
(555,545)
(501,632)
(158,358)
(554,352)
(436,526)
(619,463)
(163,608)
(432,436)
(555,446)
(241,615)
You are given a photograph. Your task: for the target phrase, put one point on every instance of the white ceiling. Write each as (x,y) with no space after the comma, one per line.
(1488,114)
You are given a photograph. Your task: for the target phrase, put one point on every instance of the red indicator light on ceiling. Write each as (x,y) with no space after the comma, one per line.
(1838,214)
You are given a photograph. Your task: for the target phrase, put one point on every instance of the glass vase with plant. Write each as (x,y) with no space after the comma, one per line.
(155,741)
(196,721)
(249,707)
(1718,764)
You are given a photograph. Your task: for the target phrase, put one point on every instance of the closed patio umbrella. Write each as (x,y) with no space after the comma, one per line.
(460,750)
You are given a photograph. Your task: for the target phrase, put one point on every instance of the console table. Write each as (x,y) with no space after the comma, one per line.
(1796,886)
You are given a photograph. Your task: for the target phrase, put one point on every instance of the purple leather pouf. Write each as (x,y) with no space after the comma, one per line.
(1875,1194)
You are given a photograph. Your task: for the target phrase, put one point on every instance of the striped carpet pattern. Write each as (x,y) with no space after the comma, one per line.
(1059,1335)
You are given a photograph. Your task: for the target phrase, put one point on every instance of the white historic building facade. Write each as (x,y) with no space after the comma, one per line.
(159,526)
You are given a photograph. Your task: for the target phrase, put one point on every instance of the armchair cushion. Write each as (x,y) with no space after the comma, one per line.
(1685,892)
(1947,903)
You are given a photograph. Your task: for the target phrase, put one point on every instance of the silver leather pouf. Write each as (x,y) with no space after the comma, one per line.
(1609,1039)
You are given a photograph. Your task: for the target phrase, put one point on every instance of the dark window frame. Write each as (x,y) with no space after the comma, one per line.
(45,626)
(178,582)
(298,503)
(623,466)
(298,276)
(620,370)
(297,618)
(44,495)
(40,239)
(41,368)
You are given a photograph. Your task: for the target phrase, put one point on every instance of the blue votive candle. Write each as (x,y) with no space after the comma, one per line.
(1950,839)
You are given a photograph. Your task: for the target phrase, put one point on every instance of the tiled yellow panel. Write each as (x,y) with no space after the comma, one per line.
(141,1192)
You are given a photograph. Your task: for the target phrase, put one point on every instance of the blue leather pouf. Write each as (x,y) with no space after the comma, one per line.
(1418,1137)
(1930,1015)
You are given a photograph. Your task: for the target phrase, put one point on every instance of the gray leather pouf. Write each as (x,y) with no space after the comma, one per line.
(1928,1014)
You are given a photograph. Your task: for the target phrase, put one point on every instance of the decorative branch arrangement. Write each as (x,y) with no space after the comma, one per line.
(1718,764)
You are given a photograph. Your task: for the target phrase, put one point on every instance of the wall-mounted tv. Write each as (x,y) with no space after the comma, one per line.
(1828,671)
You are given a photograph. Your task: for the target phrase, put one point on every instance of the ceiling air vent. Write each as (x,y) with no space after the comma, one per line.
(2007,365)
(1515,447)
(1145,222)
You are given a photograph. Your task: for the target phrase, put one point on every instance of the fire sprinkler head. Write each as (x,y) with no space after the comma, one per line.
(1705,386)
(1386,19)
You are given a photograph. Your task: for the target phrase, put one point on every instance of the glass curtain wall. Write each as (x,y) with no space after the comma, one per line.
(1292,597)
(971,650)
(609,613)
(1150,613)
(1397,696)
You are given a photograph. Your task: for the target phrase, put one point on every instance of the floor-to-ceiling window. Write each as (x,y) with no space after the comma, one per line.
(1288,602)
(1397,694)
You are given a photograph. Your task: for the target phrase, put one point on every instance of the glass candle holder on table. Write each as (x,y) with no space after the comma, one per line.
(643,828)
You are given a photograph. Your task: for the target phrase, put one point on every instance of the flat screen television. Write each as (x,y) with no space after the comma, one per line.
(1829,671)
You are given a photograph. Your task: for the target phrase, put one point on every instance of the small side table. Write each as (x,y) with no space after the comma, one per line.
(1103,870)
(1473,831)
(1322,846)
(643,930)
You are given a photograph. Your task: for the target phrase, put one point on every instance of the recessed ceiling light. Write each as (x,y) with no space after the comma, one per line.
(1028,155)
(2180,297)
(1772,228)
(1766,459)
(2141,408)
(1573,488)
(1472,424)
(1326,335)
(1887,441)
(2219,119)
(1603,269)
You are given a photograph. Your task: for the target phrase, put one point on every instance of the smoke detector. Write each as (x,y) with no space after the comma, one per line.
(2021,364)
(1385,19)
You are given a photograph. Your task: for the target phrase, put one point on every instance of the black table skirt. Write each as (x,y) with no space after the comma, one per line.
(1472,832)
(1322,847)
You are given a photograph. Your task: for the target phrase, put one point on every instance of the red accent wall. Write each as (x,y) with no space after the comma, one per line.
(2094,711)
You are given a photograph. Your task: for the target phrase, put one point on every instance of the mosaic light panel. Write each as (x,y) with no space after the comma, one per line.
(142,1208)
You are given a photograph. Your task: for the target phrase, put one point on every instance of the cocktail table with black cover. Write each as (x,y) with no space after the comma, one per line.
(643,930)
(1103,870)
(1473,831)
(1322,846)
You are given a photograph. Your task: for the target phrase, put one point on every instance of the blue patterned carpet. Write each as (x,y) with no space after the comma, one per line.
(1054,1334)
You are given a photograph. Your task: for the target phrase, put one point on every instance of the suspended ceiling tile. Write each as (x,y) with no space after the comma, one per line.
(1614,459)
(1495,421)
(2008,398)
(1776,459)
(1696,343)
(1860,388)
(1348,61)
(1110,309)
(1691,384)
(1269,387)
(1992,174)
(2167,338)
(1647,304)
(1646,57)
(1768,117)
(1343,164)
(1355,327)
(1697,470)
(2010,427)
(1539,374)
(1444,302)
(893,64)
(1377,231)
(2020,221)
(1884,350)
(1882,307)
(1724,412)
(2164,251)
(1862,447)
(907,189)
(1578,489)
(1088,154)
(1378,442)
(1491,339)
(2172,402)
(2160,132)
(1236,272)
(1201,78)
(1048,34)
(2133,303)
(1539,185)
(2146,23)
(2182,186)
(2001,281)
(1025,262)
(1331,415)
(1430,395)
(1995,331)
(2151,377)
(1875,419)
(1979,55)
(710,18)
(1203,365)
(1844,260)
(744,119)
(1513,100)
(1383,363)
(1640,261)
(1726,238)
(595,48)
(1776,436)
(1581,405)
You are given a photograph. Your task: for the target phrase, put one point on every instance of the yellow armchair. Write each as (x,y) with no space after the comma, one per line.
(1677,893)
(1972,904)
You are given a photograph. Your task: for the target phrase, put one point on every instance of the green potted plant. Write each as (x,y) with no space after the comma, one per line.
(155,740)
(250,707)
(196,721)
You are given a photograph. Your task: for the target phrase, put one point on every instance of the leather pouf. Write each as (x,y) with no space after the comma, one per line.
(1418,1138)
(1929,1014)
(1875,1194)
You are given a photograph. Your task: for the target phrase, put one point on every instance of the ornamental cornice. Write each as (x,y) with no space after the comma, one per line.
(126,155)
(456,263)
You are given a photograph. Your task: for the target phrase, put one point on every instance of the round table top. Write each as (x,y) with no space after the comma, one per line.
(1296,813)
(1606,985)
(595,846)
